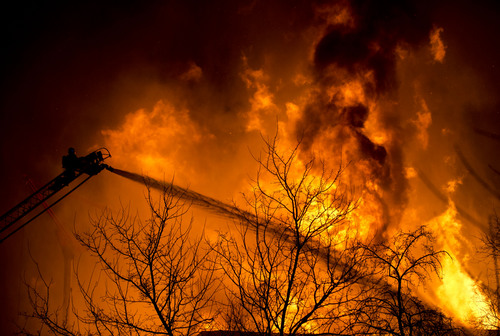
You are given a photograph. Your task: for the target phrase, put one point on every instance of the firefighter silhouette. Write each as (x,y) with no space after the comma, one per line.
(70,163)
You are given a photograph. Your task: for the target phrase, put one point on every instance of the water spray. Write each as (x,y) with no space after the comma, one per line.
(197,199)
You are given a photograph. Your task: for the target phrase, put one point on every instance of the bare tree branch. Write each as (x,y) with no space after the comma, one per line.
(155,278)
(292,267)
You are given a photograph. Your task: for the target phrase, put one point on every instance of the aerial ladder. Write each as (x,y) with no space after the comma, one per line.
(82,168)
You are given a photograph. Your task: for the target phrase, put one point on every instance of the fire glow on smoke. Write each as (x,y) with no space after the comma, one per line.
(345,104)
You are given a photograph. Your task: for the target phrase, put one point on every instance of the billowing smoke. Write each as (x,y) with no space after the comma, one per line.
(361,54)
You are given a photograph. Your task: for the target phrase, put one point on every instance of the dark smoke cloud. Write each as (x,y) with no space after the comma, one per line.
(368,46)
(379,27)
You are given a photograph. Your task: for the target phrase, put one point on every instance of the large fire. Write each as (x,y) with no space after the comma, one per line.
(369,90)
(347,114)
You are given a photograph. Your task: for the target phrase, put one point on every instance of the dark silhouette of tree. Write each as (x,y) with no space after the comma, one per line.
(155,278)
(399,266)
(491,247)
(488,180)
(293,265)
(233,317)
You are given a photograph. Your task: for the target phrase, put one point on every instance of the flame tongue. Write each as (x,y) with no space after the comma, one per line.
(459,294)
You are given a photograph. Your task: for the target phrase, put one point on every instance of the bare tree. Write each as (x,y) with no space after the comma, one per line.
(293,263)
(155,278)
(391,306)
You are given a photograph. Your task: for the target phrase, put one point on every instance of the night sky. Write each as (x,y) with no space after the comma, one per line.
(70,71)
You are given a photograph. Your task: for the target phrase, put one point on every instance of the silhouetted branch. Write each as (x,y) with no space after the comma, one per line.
(391,306)
(296,267)
(154,278)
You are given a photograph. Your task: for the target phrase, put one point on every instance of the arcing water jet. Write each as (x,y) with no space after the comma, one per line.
(253,221)
(195,198)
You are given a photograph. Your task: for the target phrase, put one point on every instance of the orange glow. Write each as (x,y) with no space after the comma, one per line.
(438,48)
(153,142)
(452,186)
(422,123)
(194,73)
(339,14)
(350,91)
(410,172)
(459,294)
(365,219)
(261,102)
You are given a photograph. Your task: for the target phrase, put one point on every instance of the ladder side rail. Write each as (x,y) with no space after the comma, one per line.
(34,200)
(14,229)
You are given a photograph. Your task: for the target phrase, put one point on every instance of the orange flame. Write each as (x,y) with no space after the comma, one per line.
(459,294)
